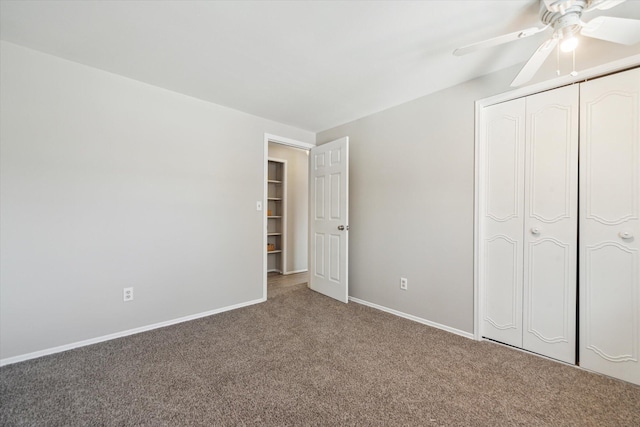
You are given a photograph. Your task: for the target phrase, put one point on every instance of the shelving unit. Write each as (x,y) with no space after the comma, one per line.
(276,208)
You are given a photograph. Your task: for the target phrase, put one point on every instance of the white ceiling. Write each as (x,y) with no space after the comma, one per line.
(310,64)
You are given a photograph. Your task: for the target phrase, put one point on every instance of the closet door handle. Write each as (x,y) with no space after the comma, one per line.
(625,235)
(535,231)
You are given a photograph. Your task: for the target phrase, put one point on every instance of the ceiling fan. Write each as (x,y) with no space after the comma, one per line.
(564,18)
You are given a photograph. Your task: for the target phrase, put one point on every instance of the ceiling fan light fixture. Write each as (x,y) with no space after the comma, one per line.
(569,44)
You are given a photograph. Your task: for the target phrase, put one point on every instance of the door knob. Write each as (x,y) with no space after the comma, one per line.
(625,235)
(535,231)
(342,227)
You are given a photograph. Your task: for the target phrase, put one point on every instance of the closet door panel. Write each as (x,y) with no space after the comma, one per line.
(501,207)
(610,225)
(551,223)
(604,293)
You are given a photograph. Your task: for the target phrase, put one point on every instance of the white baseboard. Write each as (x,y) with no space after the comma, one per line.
(295,272)
(414,318)
(59,349)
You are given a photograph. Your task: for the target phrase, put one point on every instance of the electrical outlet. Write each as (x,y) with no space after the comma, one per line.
(127,294)
(403,283)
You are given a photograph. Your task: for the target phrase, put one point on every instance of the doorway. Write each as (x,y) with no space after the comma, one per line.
(286,219)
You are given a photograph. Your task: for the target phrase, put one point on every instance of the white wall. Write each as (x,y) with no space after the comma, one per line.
(106,183)
(297,216)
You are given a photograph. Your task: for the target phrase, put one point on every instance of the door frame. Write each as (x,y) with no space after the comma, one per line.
(265,159)
(591,73)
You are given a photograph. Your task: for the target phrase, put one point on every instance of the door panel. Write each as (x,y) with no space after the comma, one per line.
(319,197)
(334,264)
(551,223)
(330,222)
(336,197)
(318,264)
(610,225)
(602,294)
(546,301)
(607,152)
(501,249)
(501,279)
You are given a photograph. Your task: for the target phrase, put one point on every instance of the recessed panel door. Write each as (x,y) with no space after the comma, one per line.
(329,222)
(610,225)
(551,223)
(501,221)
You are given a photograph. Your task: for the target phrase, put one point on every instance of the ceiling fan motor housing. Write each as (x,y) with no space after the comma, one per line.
(559,6)
(565,20)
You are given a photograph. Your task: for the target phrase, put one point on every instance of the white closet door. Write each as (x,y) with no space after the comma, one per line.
(551,223)
(501,210)
(610,225)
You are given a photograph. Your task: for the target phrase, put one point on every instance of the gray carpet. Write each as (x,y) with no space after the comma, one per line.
(303,359)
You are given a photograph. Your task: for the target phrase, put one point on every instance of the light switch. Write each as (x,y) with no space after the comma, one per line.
(258,205)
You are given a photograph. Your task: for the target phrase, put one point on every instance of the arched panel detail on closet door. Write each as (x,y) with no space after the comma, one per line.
(501,278)
(551,163)
(503,168)
(612,334)
(617,201)
(550,267)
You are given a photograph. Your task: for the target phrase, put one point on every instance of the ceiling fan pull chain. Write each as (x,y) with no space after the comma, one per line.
(574,72)
(558,59)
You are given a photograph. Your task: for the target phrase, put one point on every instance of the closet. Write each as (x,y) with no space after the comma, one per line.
(550,165)
(530,222)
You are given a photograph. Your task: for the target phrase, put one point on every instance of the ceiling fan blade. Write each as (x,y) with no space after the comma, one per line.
(616,30)
(506,38)
(535,62)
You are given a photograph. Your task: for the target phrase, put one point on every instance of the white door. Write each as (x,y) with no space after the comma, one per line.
(329,219)
(610,225)
(551,223)
(501,214)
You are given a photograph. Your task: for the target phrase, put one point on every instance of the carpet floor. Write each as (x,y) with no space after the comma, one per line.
(303,359)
